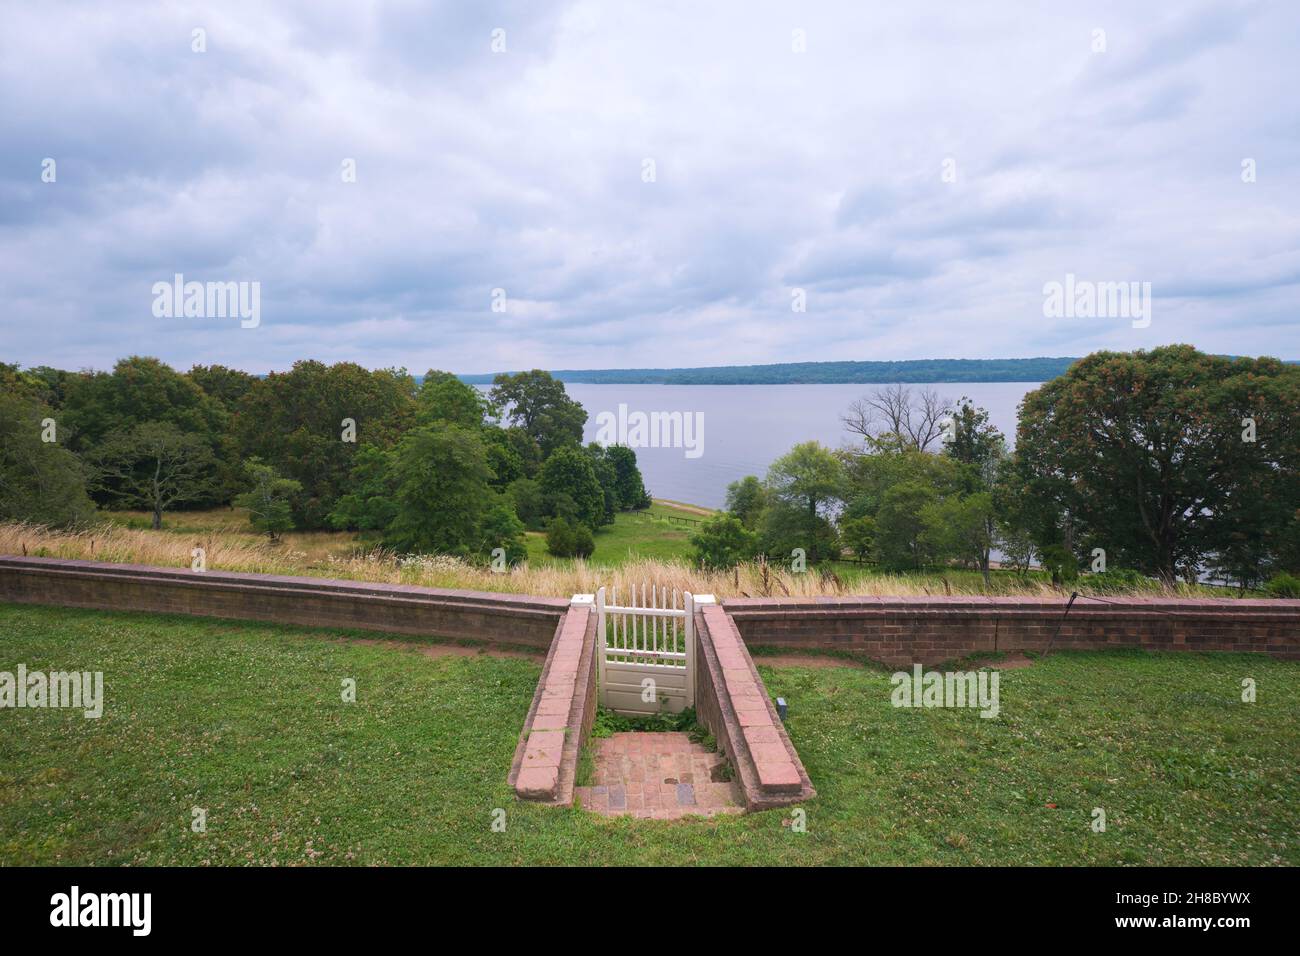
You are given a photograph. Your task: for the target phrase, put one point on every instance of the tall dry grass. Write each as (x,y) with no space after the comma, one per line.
(236,552)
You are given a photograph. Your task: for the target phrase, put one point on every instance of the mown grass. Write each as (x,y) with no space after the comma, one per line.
(633,536)
(247,721)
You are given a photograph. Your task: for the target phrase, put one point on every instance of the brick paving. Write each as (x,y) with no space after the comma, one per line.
(661,776)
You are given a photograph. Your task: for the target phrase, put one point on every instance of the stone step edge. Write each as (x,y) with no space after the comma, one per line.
(545,765)
(731,736)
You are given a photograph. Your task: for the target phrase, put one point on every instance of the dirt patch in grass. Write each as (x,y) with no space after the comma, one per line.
(1013,661)
(449,650)
(803,660)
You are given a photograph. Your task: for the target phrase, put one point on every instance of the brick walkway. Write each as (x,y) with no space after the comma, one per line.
(659,776)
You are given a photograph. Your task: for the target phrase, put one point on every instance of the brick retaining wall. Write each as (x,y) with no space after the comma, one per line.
(545,766)
(904,630)
(732,702)
(321,602)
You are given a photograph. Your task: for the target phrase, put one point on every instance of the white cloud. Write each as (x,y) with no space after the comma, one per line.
(523,171)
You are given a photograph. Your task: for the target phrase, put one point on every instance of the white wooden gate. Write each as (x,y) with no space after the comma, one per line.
(646,663)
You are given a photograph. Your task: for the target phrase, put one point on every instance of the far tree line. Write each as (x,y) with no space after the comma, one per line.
(434,466)
(1162,463)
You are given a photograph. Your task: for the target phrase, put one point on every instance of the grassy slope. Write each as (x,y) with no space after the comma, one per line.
(246,720)
(632,535)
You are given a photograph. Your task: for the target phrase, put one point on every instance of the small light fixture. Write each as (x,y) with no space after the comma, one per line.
(781,708)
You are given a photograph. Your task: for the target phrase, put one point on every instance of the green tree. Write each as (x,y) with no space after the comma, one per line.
(569,472)
(371,502)
(723,542)
(101,405)
(565,539)
(900,544)
(445,398)
(268,499)
(529,502)
(503,529)
(628,482)
(859,536)
(746,499)
(294,421)
(800,485)
(1147,455)
(226,385)
(537,403)
(155,466)
(40,482)
(809,476)
(442,491)
(961,527)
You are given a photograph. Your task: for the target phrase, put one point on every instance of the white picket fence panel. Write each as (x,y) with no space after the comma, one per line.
(651,637)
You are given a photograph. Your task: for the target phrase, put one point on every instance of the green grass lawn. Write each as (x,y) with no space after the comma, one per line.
(247,721)
(632,535)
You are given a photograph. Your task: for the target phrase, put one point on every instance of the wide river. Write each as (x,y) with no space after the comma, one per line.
(747,427)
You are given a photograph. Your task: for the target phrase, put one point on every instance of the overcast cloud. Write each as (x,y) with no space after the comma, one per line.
(523,170)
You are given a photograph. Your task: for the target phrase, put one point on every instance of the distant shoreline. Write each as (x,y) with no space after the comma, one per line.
(819,373)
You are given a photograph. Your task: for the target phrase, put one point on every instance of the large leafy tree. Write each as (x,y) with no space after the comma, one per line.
(809,477)
(155,466)
(443,397)
(628,482)
(746,499)
(537,403)
(100,406)
(1147,456)
(440,478)
(570,474)
(802,486)
(293,421)
(226,385)
(41,482)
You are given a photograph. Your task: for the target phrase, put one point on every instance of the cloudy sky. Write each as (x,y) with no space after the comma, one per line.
(770,170)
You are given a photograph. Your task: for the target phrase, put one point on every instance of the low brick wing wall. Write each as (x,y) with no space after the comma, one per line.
(560,717)
(897,630)
(731,700)
(319,602)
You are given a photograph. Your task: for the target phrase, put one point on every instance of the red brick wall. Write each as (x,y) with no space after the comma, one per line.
(733,703)
(898,630)
(320,602)
(561,715)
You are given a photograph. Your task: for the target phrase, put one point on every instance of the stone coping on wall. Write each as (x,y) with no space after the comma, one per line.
(559,719)
(487,617)
(1269,607)
(932,630)
(340,585)
(732,702)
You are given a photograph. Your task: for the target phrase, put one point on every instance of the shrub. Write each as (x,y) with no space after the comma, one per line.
(723,542)
(1283,585)
(566,539)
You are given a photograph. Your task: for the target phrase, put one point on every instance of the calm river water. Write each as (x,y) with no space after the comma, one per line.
(747,427)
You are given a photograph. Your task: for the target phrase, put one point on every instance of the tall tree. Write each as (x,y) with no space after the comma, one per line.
(155,466)
(443,397)
(40,481)
(746,499)
(914,417)
(802,484)
(440,476)
(295,422)
(536,402)
(1156,457)
(569,473)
